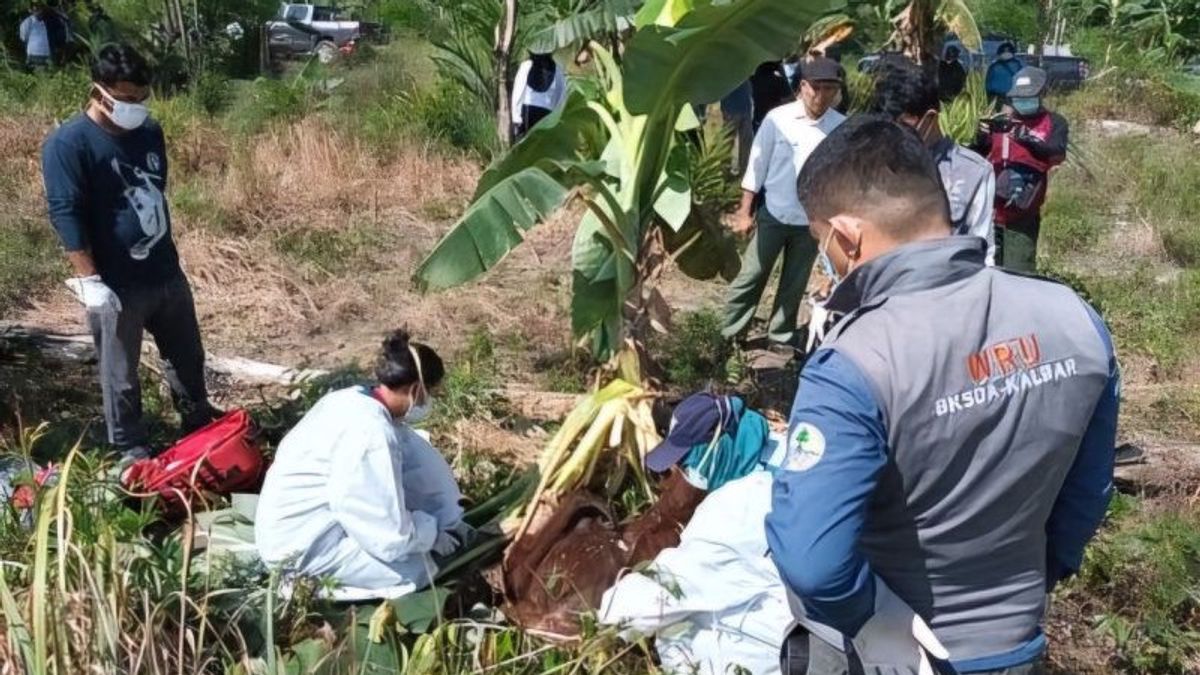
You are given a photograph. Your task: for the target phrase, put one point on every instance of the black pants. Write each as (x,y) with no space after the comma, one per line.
(167,312)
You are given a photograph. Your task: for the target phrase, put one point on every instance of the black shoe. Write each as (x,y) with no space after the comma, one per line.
(199,419)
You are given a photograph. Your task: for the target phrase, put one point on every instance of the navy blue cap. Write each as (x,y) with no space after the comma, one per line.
(695,420)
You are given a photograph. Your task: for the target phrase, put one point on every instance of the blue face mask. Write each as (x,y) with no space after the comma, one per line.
(827,267)
(1026,106)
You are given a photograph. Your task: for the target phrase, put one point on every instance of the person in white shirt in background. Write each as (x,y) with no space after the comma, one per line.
(355,494)
(786,138)
(36,37)
(538,89)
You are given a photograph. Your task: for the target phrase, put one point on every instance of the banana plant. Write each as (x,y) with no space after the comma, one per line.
(617,145)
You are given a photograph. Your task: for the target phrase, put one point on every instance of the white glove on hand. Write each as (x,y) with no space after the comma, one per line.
(446,543)
(94,294)
(816,325)
(897,636)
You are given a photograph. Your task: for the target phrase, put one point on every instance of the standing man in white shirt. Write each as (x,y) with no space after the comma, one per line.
(35,35)
(786,138)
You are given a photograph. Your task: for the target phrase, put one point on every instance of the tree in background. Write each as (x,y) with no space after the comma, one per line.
(618,145)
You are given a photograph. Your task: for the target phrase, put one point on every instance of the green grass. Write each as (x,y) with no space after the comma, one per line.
(1144,570)
(57,94)
(330,252)
(30,261)
(1113,190)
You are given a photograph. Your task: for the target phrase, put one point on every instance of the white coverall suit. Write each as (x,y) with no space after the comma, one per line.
(716,603)
(358,497)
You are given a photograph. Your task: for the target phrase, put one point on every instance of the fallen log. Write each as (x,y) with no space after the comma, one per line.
(78,347)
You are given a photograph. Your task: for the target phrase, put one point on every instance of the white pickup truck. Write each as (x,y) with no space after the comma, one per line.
(301,29)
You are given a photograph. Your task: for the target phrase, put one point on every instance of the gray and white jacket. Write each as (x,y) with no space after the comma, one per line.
(970,187)
(954,435)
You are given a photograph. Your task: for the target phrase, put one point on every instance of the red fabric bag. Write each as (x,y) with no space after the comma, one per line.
(221,457)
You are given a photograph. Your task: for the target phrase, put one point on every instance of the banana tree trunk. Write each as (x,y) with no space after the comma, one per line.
(501,53)
(913,32)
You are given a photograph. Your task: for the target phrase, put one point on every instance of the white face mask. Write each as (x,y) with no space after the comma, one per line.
(127,116)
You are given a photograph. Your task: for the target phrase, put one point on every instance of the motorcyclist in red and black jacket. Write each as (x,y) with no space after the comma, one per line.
(1023,143)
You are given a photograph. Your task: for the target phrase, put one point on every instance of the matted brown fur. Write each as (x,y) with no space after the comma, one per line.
(555,574)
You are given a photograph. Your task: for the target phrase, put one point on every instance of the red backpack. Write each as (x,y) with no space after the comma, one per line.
(221,457)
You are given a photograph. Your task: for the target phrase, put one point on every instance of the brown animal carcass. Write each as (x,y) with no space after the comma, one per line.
(557,573)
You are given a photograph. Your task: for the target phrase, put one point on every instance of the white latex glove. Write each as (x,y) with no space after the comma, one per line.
(897,636)
(819,317)
(94,294)
(446,543)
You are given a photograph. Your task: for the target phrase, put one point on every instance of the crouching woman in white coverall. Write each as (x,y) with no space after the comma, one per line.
(355,494)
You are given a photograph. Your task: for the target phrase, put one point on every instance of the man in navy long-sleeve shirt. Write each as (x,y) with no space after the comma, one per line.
(105,171)
(954,436)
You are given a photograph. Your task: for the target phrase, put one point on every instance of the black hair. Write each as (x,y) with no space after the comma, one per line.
(541,72)
(874,167)
(905,89)
(397,368)
(953,51)
(120,63)
(1006,46)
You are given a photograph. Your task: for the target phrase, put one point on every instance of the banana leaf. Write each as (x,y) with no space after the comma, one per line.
(674,200)
(493,225)
(957,17)
(711,50)
(664,12)
(563,135)
(605,18)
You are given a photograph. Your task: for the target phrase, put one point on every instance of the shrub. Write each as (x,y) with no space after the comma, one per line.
(452,115)
(210,92)
(694,353)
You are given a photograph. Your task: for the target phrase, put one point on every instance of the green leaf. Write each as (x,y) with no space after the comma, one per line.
(418,611)
(674,193)
(560,136)
(308,658)
(663,12)
(598,286)
(492,226)
(711,50)
(596,23)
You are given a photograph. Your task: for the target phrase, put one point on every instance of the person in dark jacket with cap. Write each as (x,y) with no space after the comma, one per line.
(1022,144)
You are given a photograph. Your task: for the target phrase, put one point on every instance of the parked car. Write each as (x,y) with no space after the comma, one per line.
(1063,70)
(301,29)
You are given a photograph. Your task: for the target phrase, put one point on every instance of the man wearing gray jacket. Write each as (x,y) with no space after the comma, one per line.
(910,95)
(954,435)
